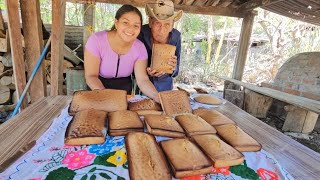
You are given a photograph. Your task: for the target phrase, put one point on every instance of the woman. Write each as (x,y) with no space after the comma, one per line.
(111,56)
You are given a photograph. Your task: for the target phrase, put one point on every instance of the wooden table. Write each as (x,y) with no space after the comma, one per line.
(300,161)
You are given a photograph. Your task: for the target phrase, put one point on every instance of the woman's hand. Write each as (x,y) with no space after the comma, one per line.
(154,73)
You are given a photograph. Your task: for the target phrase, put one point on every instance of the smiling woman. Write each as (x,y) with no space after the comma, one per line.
(112,56)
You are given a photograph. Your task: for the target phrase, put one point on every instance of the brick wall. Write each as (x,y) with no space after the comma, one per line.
(299,75)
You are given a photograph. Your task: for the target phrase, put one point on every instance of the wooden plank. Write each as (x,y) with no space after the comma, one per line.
(252,4)
(244,43)
(57,44)
(33,39)
(310,122)
(295,119)
(297,159)
(256,104)
(88,21)
(29,125)
(302,102)
(16,48)
(208,10)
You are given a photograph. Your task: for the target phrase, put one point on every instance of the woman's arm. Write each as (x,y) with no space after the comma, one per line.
(91,70)
(143,80)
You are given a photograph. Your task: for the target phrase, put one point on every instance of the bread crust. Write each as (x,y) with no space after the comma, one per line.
(161,53)
(185,158)
(174,102)
(208,99)
(108,100)
(86,127)
(221,153)
(194,125)
(237,138)
(145,157)
(213,117)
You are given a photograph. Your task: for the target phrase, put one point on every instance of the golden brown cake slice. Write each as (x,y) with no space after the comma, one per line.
(106,100)
(212,116)
(221,153)
(208,99)
(194,125)
(185,158)
(122,122)
(237,138)
(163,125)
(145,157)
(174,102)
(86,127)
(161,54)
(146,106)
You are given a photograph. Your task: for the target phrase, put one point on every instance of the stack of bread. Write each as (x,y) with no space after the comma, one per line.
(213,139)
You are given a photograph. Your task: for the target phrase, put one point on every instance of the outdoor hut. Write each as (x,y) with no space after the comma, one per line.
(299,161)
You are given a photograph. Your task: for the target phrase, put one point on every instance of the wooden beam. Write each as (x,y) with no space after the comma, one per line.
(244,43)
(33,39)
(301,102)
(252,4)
(16,48)
(208,10)
(88,21)
(57,44)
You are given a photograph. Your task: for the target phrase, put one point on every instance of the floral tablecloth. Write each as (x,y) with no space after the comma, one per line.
(51,159)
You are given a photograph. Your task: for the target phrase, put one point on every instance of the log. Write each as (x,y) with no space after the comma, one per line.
(6,59)
(235,97)
(6,108)
(256,104)
(75,80)
(8,72)
(1,68)
(6,80)
(15,97)
(4,94)
(4,42)
(299,120)
(66,64)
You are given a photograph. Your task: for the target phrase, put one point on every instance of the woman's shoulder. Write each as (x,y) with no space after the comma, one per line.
(99,34)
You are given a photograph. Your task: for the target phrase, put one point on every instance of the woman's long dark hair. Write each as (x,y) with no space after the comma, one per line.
(125,9)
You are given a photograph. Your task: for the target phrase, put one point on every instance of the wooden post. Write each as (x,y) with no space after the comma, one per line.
(256,104)
(244,43)
(57,43)
(1,21)
(88,21)
(16,48)
(299,120)
(33,39)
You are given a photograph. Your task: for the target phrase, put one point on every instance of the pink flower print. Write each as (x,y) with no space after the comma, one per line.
(39,178)
(78,159)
